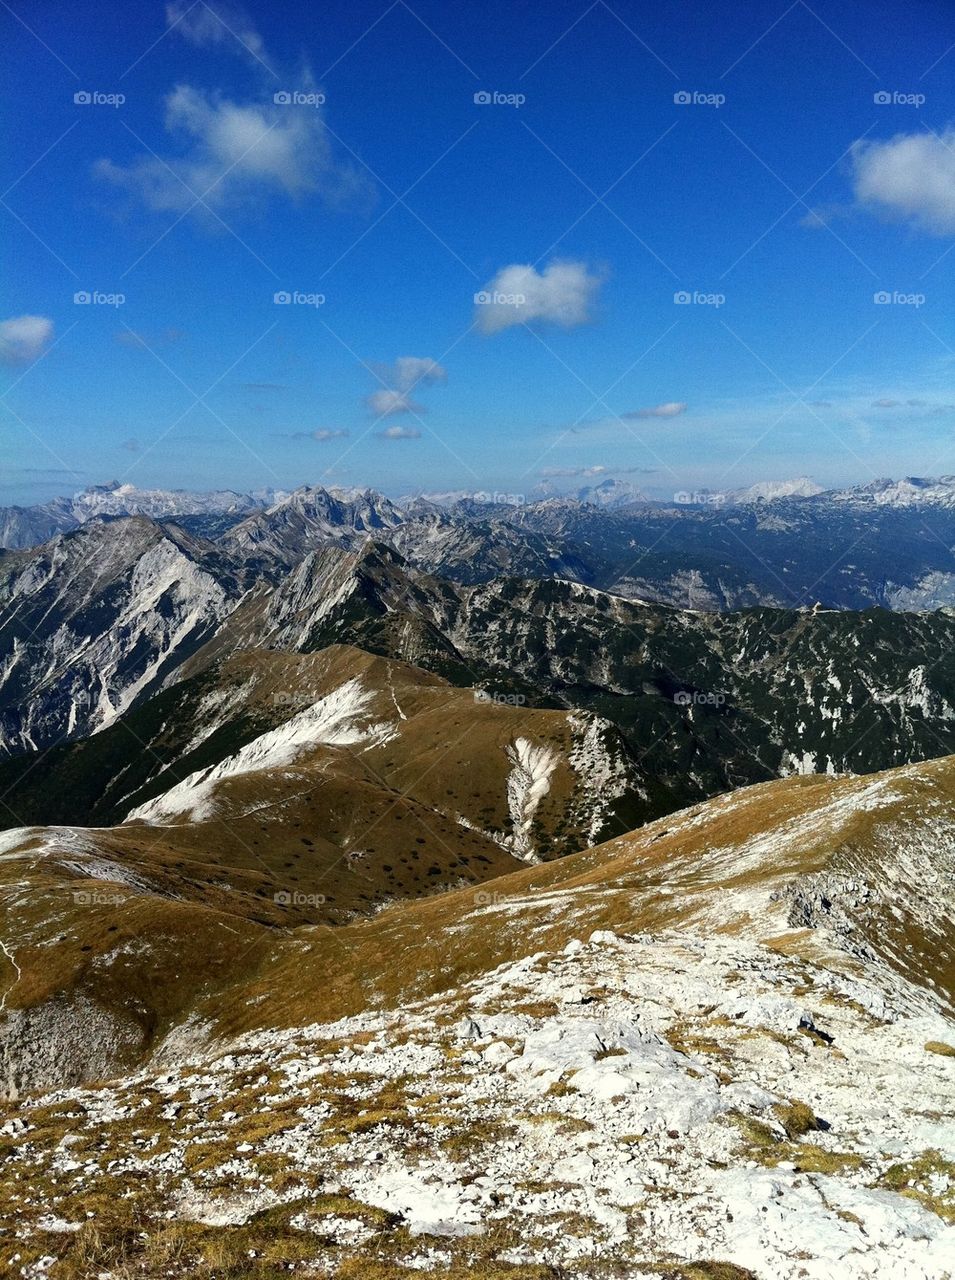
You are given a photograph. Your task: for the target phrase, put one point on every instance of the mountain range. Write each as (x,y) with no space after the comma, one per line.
(28,526)
(99,623)
(783,544)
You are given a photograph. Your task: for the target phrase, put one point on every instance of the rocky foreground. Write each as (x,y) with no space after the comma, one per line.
(670,1105)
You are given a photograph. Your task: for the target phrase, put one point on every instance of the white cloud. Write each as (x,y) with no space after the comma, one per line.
(913,402)
(233,152)
(386,402)
(400,433)
(562,294)
(23,338)
(671,409)
(323,434)
(910,176)
(406,373)
(589,473)
(227,151)
(143,341)
(554,472)
(205,26)
(815,219)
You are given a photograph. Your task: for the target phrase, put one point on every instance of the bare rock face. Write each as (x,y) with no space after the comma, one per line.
(64,1042)
(96,620)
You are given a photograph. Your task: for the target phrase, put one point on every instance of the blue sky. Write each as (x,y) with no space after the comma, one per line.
(683,216)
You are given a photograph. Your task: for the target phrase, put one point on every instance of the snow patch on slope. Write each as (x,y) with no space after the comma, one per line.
(527,784)
(340,719)
(214,708)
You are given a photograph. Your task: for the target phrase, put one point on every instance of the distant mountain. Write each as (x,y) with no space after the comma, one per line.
(911,492)
(98,618)
(608,493)
(97,623)
(773,490)
(308,518)
(117,499)
(438,498)
(28,526)
(847,552)
(778,543)
(471,545)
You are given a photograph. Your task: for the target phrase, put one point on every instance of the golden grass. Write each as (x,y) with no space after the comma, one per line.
(797,1118)
(764,1145)
(941,1048)
(929,1179)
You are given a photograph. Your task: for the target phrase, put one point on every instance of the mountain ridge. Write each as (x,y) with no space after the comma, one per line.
(771,544)
(708,700)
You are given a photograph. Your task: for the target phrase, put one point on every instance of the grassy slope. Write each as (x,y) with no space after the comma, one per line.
(715,866)
(194,917)
(147,919)
(321,1119)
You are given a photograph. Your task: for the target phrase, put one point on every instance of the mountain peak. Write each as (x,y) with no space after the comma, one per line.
(774,490)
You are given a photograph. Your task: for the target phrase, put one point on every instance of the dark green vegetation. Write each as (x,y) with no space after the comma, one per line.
(706,701)
(790,553)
